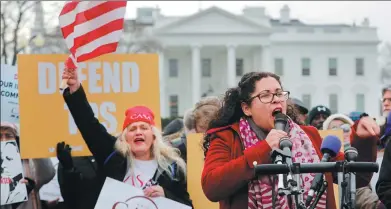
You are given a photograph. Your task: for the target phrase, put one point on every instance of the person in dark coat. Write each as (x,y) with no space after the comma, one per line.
(174,134)
(138,156)
(383,185)
(77,176)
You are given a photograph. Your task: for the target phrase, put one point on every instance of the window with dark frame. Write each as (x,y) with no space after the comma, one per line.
(279,66)
(206,66)
(174,105)
(173,68)
(305,67)
(360,102)
(360,66)
(306,98)
(239,67)
(333,64)
(333,103)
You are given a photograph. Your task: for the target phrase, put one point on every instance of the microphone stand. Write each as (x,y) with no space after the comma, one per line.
(345,195)
(293,186)
(319,194)
(351,156)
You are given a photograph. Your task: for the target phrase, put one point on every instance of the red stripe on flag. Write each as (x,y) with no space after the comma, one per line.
(68,7)
(90,14)
(97,33)
(85,19)
(104,49)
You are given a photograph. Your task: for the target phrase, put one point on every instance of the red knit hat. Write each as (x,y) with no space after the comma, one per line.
(137,114)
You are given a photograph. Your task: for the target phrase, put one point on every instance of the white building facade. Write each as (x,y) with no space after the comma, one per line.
(208,52)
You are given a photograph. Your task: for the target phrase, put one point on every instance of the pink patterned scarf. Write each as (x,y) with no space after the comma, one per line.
(260,190)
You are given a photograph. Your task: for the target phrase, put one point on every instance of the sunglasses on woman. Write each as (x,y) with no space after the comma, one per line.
(344,127)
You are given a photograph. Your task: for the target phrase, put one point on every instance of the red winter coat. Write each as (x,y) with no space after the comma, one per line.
(227,169)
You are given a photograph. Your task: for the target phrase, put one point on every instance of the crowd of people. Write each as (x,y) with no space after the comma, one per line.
(238,133)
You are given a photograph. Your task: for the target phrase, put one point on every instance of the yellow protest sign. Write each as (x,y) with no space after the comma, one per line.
(112,82)
(195,165)
(339,134)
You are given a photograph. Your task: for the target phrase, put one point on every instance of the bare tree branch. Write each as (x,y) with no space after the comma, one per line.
(5,43)
(15,33)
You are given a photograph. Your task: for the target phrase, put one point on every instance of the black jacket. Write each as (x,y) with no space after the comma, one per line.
(80,186)
(101,144)
(383,186)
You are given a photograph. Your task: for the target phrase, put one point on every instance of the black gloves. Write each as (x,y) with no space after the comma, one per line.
(30,184)
(64,155)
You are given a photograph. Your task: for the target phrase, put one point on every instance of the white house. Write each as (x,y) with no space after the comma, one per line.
(208,52)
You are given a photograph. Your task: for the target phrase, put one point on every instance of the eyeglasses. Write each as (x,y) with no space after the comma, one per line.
(7,136)
(269,97)
(386,99)
(344,127)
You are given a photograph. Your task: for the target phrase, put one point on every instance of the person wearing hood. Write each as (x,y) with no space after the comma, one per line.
(195,121)
(318,115)
(340,122)
(138,156)
(38,172)
(365,198)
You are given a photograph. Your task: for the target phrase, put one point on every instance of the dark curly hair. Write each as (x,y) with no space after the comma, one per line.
(231,111)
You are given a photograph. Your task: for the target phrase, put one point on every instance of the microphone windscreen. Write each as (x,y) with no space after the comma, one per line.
(332,143)
(280,116)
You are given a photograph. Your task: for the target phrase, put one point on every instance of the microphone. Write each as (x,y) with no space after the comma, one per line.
(351,156)
(280,122)
(330,147)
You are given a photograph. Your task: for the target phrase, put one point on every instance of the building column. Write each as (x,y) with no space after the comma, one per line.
(231,66)
(196,73)
(162,86)
(266,59)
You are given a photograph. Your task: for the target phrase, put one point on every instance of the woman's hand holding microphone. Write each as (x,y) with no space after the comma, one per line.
(273,138)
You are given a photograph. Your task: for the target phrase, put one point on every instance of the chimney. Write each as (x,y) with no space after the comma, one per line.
(285,14)
(365,22)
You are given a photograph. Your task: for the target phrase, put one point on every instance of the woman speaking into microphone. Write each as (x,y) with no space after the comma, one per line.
(243,132)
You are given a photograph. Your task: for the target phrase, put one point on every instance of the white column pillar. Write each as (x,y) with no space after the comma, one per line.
(266,59)
(162,82)
(196,73)
(231,65)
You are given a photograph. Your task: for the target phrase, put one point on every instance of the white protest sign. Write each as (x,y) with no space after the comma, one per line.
(118,195)
(12,191)
(9,94)
(51,191)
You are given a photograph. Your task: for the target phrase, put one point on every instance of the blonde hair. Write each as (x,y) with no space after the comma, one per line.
(163,153)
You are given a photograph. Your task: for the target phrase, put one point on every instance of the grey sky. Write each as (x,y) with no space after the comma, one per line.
(347,12)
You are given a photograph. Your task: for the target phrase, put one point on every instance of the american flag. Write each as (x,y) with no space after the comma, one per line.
(91,28)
